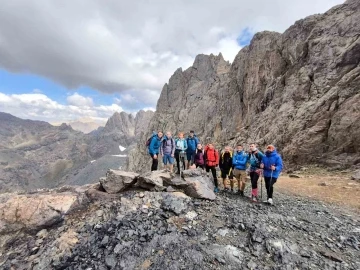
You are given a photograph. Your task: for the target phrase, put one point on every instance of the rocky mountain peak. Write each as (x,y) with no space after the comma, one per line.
(121,122)
(294,90)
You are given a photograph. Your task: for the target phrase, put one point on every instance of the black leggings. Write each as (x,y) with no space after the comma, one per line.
(155,162)
(269,183)
(177,157)
(213,171)
(254,179)
(200,166)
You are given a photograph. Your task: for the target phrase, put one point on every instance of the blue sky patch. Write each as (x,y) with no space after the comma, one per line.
(245,37)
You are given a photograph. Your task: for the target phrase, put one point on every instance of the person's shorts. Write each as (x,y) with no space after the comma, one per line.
(167,158)
(225,173)
(190,156)
(240,174)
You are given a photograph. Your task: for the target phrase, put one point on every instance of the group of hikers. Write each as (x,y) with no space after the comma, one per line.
(233,164)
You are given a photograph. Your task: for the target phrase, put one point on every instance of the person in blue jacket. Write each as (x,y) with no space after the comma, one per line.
(154,149)
(240,158)
(272,165)
(192,142)
(180,148)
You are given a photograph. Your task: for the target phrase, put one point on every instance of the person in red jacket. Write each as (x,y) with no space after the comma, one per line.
(211,157)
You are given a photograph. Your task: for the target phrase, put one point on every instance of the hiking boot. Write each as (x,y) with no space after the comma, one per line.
(232,190)
(241,193)
(254,199)
(216,190)
(270,201)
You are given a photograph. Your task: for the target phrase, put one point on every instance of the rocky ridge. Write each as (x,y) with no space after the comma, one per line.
(298,90)
(35,154)
(139,229)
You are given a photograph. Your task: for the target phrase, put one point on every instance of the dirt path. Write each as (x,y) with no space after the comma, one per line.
(336,189)
(319,184)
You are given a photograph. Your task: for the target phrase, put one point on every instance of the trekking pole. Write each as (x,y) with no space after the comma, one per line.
(261,185)
(271,178)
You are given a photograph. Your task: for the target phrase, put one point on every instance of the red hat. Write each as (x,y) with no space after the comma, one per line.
(270,147)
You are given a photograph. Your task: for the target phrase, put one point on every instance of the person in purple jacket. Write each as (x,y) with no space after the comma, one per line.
(167,150)
(199,159)
(272,165)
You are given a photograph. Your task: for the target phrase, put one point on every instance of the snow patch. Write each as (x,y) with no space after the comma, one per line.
(92,161)
(122,148)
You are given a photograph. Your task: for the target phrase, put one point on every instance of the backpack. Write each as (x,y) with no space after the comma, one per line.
(172,142)
(257,158)
(148,141)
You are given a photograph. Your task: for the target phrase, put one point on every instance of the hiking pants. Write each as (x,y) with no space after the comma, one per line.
(269,184)
(177,157)
(213,171)
(227,172)
(200,166)
(155,162)
(254,176)
(240,176)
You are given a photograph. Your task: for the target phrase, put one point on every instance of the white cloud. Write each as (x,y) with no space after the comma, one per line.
(124,45)
(78,100)
(40,107)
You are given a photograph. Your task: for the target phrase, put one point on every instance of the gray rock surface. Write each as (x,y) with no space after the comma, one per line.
(297,90)
(117,181)
(154,180)
(199,185)
(160,230)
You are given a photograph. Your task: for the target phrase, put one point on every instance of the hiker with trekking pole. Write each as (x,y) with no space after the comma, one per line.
(255,158)
(272,166)
(180,148)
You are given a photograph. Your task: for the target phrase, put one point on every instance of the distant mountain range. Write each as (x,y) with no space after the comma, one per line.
(35,154)
(85,125)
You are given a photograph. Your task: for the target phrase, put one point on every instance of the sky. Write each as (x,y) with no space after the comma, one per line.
(61,61)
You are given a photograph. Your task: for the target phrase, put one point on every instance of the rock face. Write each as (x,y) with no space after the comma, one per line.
(297,90)
(34,211)
(117,181)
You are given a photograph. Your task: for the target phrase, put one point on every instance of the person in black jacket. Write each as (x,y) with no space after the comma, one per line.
(226,166)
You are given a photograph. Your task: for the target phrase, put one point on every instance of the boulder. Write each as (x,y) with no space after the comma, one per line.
(356,175)
(154,180)
(36,211)
(198,185)
(117,181)
(176,202)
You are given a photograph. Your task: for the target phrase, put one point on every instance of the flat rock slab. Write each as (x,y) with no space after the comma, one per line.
(154,180)
(36,211)
(117,181)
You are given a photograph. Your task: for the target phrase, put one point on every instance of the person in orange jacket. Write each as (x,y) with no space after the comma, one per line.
(211,157)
